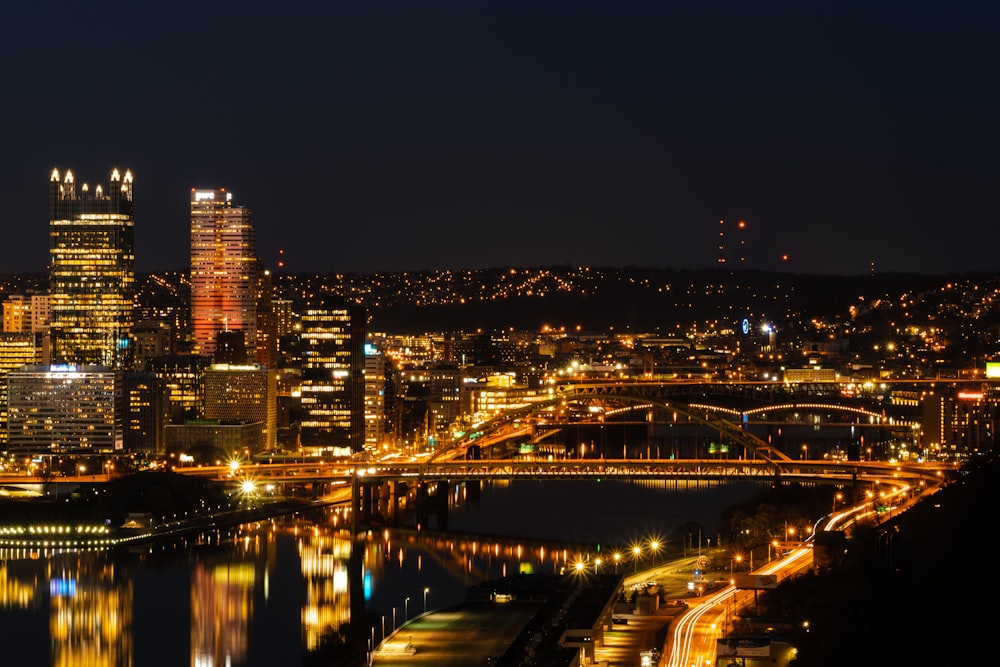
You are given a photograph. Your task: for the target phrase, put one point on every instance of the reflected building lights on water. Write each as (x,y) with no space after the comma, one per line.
(327,607)
(222,606)
(354,589)
(90,619)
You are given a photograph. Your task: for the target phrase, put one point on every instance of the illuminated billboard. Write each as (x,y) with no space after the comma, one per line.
(993,369)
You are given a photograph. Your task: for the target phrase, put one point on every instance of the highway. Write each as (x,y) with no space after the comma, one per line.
(692,641)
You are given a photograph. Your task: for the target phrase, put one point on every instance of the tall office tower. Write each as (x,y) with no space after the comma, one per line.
(380,399)
(267,325)
(285,318)
(332,388)
(92,270)
(224,270)
(145,412)
(286,324)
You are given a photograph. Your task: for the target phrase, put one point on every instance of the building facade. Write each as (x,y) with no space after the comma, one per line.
(224,270)
(64,408)
(145,410)
(244,393)
(377,424)
(92,271)
(26,313)
(16,350)
(184,376)
(332,391)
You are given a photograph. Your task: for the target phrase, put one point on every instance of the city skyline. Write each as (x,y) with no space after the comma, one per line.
(386,136)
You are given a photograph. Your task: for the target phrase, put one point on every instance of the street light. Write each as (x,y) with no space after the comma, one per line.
(426,591)
(739,559)
(836,497)
(636,550)
(406,610)
(654,547)
(618,558)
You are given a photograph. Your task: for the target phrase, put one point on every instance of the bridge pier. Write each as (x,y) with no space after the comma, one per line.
(397,494)
(364,502)
(433,500)
(355,505)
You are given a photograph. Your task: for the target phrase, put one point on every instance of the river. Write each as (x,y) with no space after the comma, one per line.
(296,591)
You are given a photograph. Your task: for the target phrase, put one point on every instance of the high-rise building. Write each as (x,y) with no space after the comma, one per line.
(380,400)
(184,375)
(245,393)
(64,407)
(267,325)
(24,313)
(332,389)
(224,270)
(92,270)
(16,350)
(145,411)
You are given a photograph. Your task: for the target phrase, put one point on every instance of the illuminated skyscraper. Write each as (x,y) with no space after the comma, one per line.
(224,270)
(92,270)
(332,388)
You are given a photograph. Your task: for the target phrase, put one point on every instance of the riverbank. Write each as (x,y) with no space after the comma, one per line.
(908,591)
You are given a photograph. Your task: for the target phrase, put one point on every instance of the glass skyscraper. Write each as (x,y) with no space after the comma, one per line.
(91,271)
(224,270)
(332,389)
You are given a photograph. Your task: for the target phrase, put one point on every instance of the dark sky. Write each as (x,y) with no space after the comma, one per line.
(371,136)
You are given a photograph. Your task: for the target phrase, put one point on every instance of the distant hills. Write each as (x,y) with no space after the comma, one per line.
(593,298)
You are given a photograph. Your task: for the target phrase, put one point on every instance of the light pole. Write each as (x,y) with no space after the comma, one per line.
(635,557)
(836,497)
(426,591)
(654,547)
(393,619)
(406,610)
(618,558)
(739,559)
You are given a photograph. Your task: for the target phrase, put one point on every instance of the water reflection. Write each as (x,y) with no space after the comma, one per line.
(300,590)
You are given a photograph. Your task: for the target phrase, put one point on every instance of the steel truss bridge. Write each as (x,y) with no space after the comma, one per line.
(652,469)
(717,419)
(721,470)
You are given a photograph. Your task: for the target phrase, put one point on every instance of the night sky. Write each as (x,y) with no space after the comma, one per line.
(379,136)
